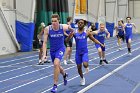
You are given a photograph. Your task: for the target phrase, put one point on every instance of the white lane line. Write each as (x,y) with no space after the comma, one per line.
(73,59)
(114,51)
(52,65)
(107,75)
(24,66)
(36,59)
(91,69)
(37,55)
(18,59)
(17,68)
(43,77)
(136,87)
(72,64)
(33,72)
(107,44)
(32,81)
(33,56)
(24,74)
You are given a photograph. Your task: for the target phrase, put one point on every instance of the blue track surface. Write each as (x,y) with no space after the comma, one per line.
(21,74)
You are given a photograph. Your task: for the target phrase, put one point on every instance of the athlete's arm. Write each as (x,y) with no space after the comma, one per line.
(124,25)
(134,27)
(108,34)
(116,28)
(93,39)
(93,32)
(70,28)
(65,33)
(89,29)
(67,27)
(45,41)
(70,36)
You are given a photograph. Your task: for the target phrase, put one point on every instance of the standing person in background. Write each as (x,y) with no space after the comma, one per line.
(41,38)
(55,33)
(68,45)
(92,27)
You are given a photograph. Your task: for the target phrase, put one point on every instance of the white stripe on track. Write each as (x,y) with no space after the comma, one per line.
(36,59)
(107,75)
(90,70)
(40,79)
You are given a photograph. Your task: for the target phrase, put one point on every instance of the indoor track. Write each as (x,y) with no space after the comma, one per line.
(21,74)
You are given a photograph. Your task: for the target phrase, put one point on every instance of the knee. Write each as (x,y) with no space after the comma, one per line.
(129,41)
(85,65)
(56,64)
(100,50)
(68,49)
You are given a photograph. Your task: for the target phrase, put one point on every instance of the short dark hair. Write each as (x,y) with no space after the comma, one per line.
(85,22)
(55,16)
(69,18)
(121,21)
(93,27)
(128,17)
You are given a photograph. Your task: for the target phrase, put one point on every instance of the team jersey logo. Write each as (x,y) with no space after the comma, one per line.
(61,53)
(102,35)
(80,37)
(56,35)
(130,26)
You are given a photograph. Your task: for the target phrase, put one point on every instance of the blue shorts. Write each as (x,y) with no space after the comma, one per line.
(128,37)
(99,46)
(57,54)
(80,58)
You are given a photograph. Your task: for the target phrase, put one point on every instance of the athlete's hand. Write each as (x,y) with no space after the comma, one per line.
(71,33)
(136,31)
(108,37)
(102,45)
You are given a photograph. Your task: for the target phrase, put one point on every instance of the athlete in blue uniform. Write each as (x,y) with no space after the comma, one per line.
(55,33)
(81,55)
(120,33)
(68,45)
(100,36)
(128,33)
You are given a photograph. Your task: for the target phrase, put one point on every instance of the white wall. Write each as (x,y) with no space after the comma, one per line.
(25,10)
(93,9)
(123,8)
(7,45)
(71,7)
(113,12)
(9,11)
(135,10)
(137,22)
(96,10)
